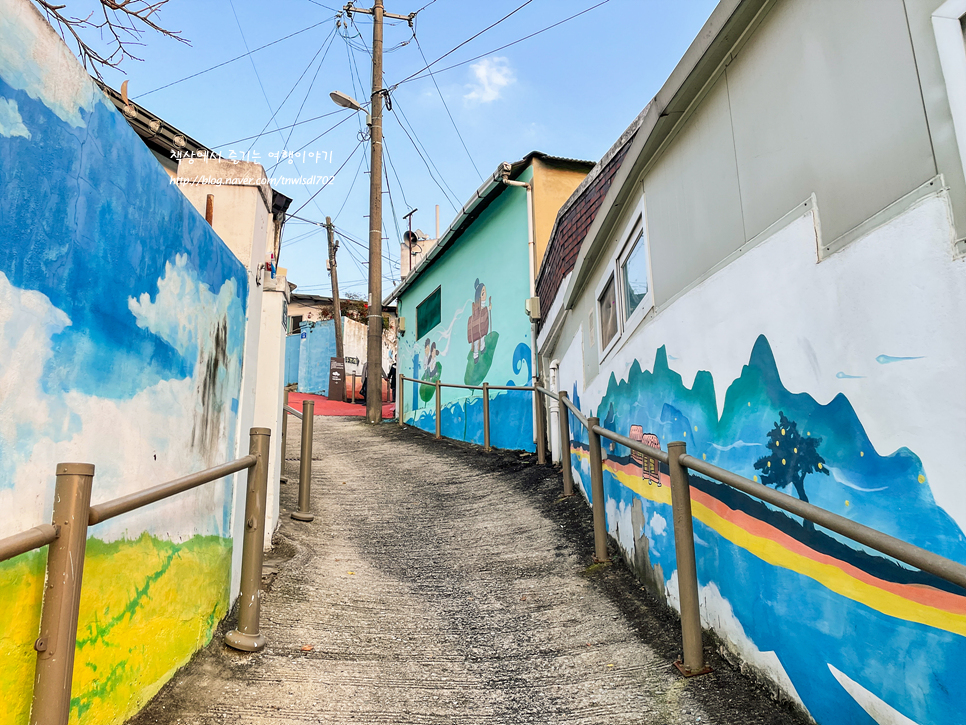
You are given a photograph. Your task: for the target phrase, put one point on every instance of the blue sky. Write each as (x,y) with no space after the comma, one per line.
(569,92)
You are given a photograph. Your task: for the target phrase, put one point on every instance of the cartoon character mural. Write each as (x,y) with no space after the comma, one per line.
(481,338)
(431,372)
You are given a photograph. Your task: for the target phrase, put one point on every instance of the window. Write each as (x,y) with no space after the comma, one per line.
(428,313)
(625,294)
(634,275)
(607,309)
(296,322)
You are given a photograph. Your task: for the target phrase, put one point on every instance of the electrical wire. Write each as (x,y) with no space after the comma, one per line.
(278,108)
(451,119)
(427,159)
(385,147)
(416,76)
(282,128)
(312,84)
(351,186)
(331,179)
(395,220)
(232,60)
(302,148)
(472,37)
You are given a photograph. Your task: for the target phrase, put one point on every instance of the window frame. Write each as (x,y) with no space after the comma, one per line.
(610,276)
(631,233)
(637,235)
(438,291)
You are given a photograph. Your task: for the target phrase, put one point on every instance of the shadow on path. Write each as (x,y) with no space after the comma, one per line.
(439,584)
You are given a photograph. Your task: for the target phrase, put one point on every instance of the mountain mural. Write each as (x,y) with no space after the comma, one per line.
(830,610)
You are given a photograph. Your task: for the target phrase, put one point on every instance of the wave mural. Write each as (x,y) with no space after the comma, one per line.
(827,610)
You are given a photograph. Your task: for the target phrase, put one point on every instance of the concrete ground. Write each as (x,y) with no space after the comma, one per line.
(439,584)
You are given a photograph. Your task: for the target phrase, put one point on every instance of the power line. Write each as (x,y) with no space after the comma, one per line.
(312,84)
(331,178)
(269,104)
(248,53)
(351,186)
(427,159)
(424,7)
(302,148)
(452,120)
(402,191)
(293,125)
(395,218)
(331,36)
(416,76)
(477,35)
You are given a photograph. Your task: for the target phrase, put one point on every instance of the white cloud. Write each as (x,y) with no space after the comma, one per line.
(492,76)
(11,124)
(34,59)
(134,443)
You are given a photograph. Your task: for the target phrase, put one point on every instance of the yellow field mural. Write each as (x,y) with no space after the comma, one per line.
(146,606)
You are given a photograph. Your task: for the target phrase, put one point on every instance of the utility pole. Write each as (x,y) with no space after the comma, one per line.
(336,305)
(374,337)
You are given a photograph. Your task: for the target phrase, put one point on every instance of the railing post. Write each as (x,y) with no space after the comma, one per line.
(439,411)
(568,473)
(305,463)
(541,431)
(486,417)
(283,478)
(247,636)
(65,570)
(693,663)
(400,399)
(597,491)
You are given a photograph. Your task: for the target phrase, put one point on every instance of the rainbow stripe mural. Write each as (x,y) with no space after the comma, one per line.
(852,631)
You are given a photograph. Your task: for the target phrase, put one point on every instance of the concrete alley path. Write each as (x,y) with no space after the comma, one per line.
(439,584)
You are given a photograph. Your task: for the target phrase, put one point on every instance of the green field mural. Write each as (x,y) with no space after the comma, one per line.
(146,606)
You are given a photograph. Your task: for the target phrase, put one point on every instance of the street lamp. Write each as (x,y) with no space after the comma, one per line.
(346,101)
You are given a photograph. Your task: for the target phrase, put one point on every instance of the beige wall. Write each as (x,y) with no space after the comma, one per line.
(551,188)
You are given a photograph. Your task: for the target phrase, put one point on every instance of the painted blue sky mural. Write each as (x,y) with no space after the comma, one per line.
(119,301)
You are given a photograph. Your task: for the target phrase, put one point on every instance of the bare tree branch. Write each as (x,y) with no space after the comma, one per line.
(121,24)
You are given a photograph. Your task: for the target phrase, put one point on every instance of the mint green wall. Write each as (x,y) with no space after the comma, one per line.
(494,251)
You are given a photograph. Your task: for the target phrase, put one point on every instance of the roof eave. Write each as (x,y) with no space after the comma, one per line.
(728,22)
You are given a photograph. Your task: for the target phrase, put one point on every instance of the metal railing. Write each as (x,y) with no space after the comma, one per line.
(485,388)
(307,416)
(66,536)
(679,462)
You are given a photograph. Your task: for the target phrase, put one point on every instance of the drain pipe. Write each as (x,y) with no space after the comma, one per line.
(504,173)
(556,454)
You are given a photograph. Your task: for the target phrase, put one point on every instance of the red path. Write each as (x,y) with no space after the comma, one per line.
(324,406)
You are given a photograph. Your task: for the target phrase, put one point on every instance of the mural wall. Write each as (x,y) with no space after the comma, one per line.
(122,317)
(293,345)
(312,350)
(316,349)
(483,334)
(839,383)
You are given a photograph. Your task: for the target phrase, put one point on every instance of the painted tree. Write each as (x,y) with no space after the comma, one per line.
(791,457)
